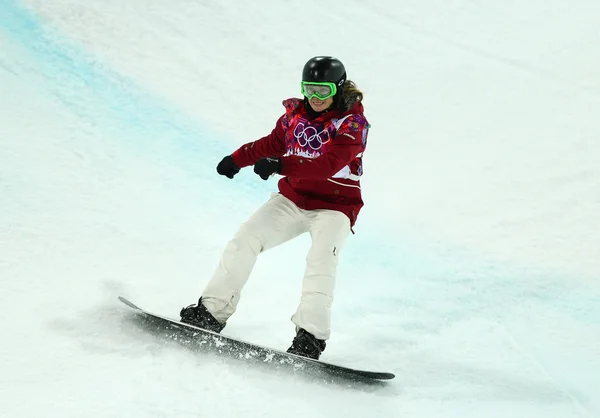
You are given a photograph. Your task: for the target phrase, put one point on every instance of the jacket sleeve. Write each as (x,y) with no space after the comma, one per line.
(272,145)
(342,151)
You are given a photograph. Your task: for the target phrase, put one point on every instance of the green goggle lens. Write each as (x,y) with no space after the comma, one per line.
(321,91)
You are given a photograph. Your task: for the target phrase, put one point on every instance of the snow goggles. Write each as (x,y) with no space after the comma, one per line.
(321,91)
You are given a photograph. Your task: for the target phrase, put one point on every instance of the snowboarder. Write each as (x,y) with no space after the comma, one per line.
(317,146)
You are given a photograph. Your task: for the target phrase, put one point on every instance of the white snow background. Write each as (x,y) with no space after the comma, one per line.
(474,274)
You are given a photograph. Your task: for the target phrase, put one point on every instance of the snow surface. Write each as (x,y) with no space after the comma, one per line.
(474,274)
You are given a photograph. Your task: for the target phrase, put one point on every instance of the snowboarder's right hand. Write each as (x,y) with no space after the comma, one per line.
(227,167)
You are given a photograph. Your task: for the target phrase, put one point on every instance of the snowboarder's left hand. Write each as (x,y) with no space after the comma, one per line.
(265,167)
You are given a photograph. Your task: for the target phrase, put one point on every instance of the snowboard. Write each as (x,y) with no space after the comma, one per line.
(200,339)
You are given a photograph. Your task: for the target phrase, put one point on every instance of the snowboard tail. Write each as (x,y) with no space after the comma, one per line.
(198,338)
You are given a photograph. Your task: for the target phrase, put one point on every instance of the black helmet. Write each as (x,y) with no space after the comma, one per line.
(324,69)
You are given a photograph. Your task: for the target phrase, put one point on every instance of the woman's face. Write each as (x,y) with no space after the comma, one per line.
(320,105)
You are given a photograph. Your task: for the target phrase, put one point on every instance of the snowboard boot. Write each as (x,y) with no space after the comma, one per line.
(199,316)
(307,345)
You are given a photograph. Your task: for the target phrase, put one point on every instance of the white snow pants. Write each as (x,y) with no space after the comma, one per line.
(274,223)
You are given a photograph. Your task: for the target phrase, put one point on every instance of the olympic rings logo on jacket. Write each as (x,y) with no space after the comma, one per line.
(311,136)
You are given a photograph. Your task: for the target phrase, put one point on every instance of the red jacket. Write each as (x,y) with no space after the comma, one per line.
(321,159)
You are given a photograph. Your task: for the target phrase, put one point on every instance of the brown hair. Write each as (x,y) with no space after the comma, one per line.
(350,95)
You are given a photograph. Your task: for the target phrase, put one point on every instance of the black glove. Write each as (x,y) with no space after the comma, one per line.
(267,166)
(227,167)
